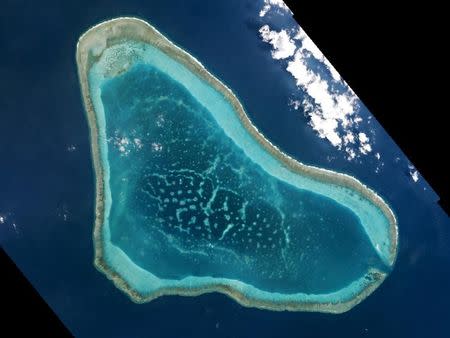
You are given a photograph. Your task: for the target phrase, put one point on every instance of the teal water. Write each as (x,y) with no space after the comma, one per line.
(55,254)
(189,202)
(193,199)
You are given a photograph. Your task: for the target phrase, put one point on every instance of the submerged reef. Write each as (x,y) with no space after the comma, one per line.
(191,198)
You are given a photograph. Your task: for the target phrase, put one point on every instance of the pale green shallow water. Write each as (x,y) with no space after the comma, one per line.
(322,251)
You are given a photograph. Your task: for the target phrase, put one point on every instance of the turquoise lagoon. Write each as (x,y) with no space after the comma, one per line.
(190,201)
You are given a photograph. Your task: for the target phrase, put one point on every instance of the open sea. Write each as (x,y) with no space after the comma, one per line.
(47,178)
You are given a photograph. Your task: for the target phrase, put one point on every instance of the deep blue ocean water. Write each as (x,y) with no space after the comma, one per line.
(47,182)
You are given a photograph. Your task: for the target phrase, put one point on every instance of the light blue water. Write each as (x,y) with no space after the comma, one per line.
(186,201)
(193,199)
(374,222)
(56,253)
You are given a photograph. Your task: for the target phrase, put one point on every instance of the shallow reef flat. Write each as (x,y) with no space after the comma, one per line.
(191,198)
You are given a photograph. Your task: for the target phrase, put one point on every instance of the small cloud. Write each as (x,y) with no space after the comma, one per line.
(71,148)
(295,103)
(8,220)
(156,146)
(363,138)
(351,153)
(365,148)
(269,4)
(160,120)
(122,143)
(349,138)
(283,45)
(413,173)
(138,143)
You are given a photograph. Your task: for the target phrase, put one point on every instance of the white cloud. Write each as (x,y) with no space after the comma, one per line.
(124,145)
(332,106)
(363,138)
(379,167)
(138,143)
(329,110)
(413,172)
(71,148)
(269,4)
(349,138)
(309,46)
(295,103)
(160,120)
(283,45)
(351,153)
(364,147)
(156,146)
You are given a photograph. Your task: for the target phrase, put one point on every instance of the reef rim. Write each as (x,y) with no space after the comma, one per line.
(90,47)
